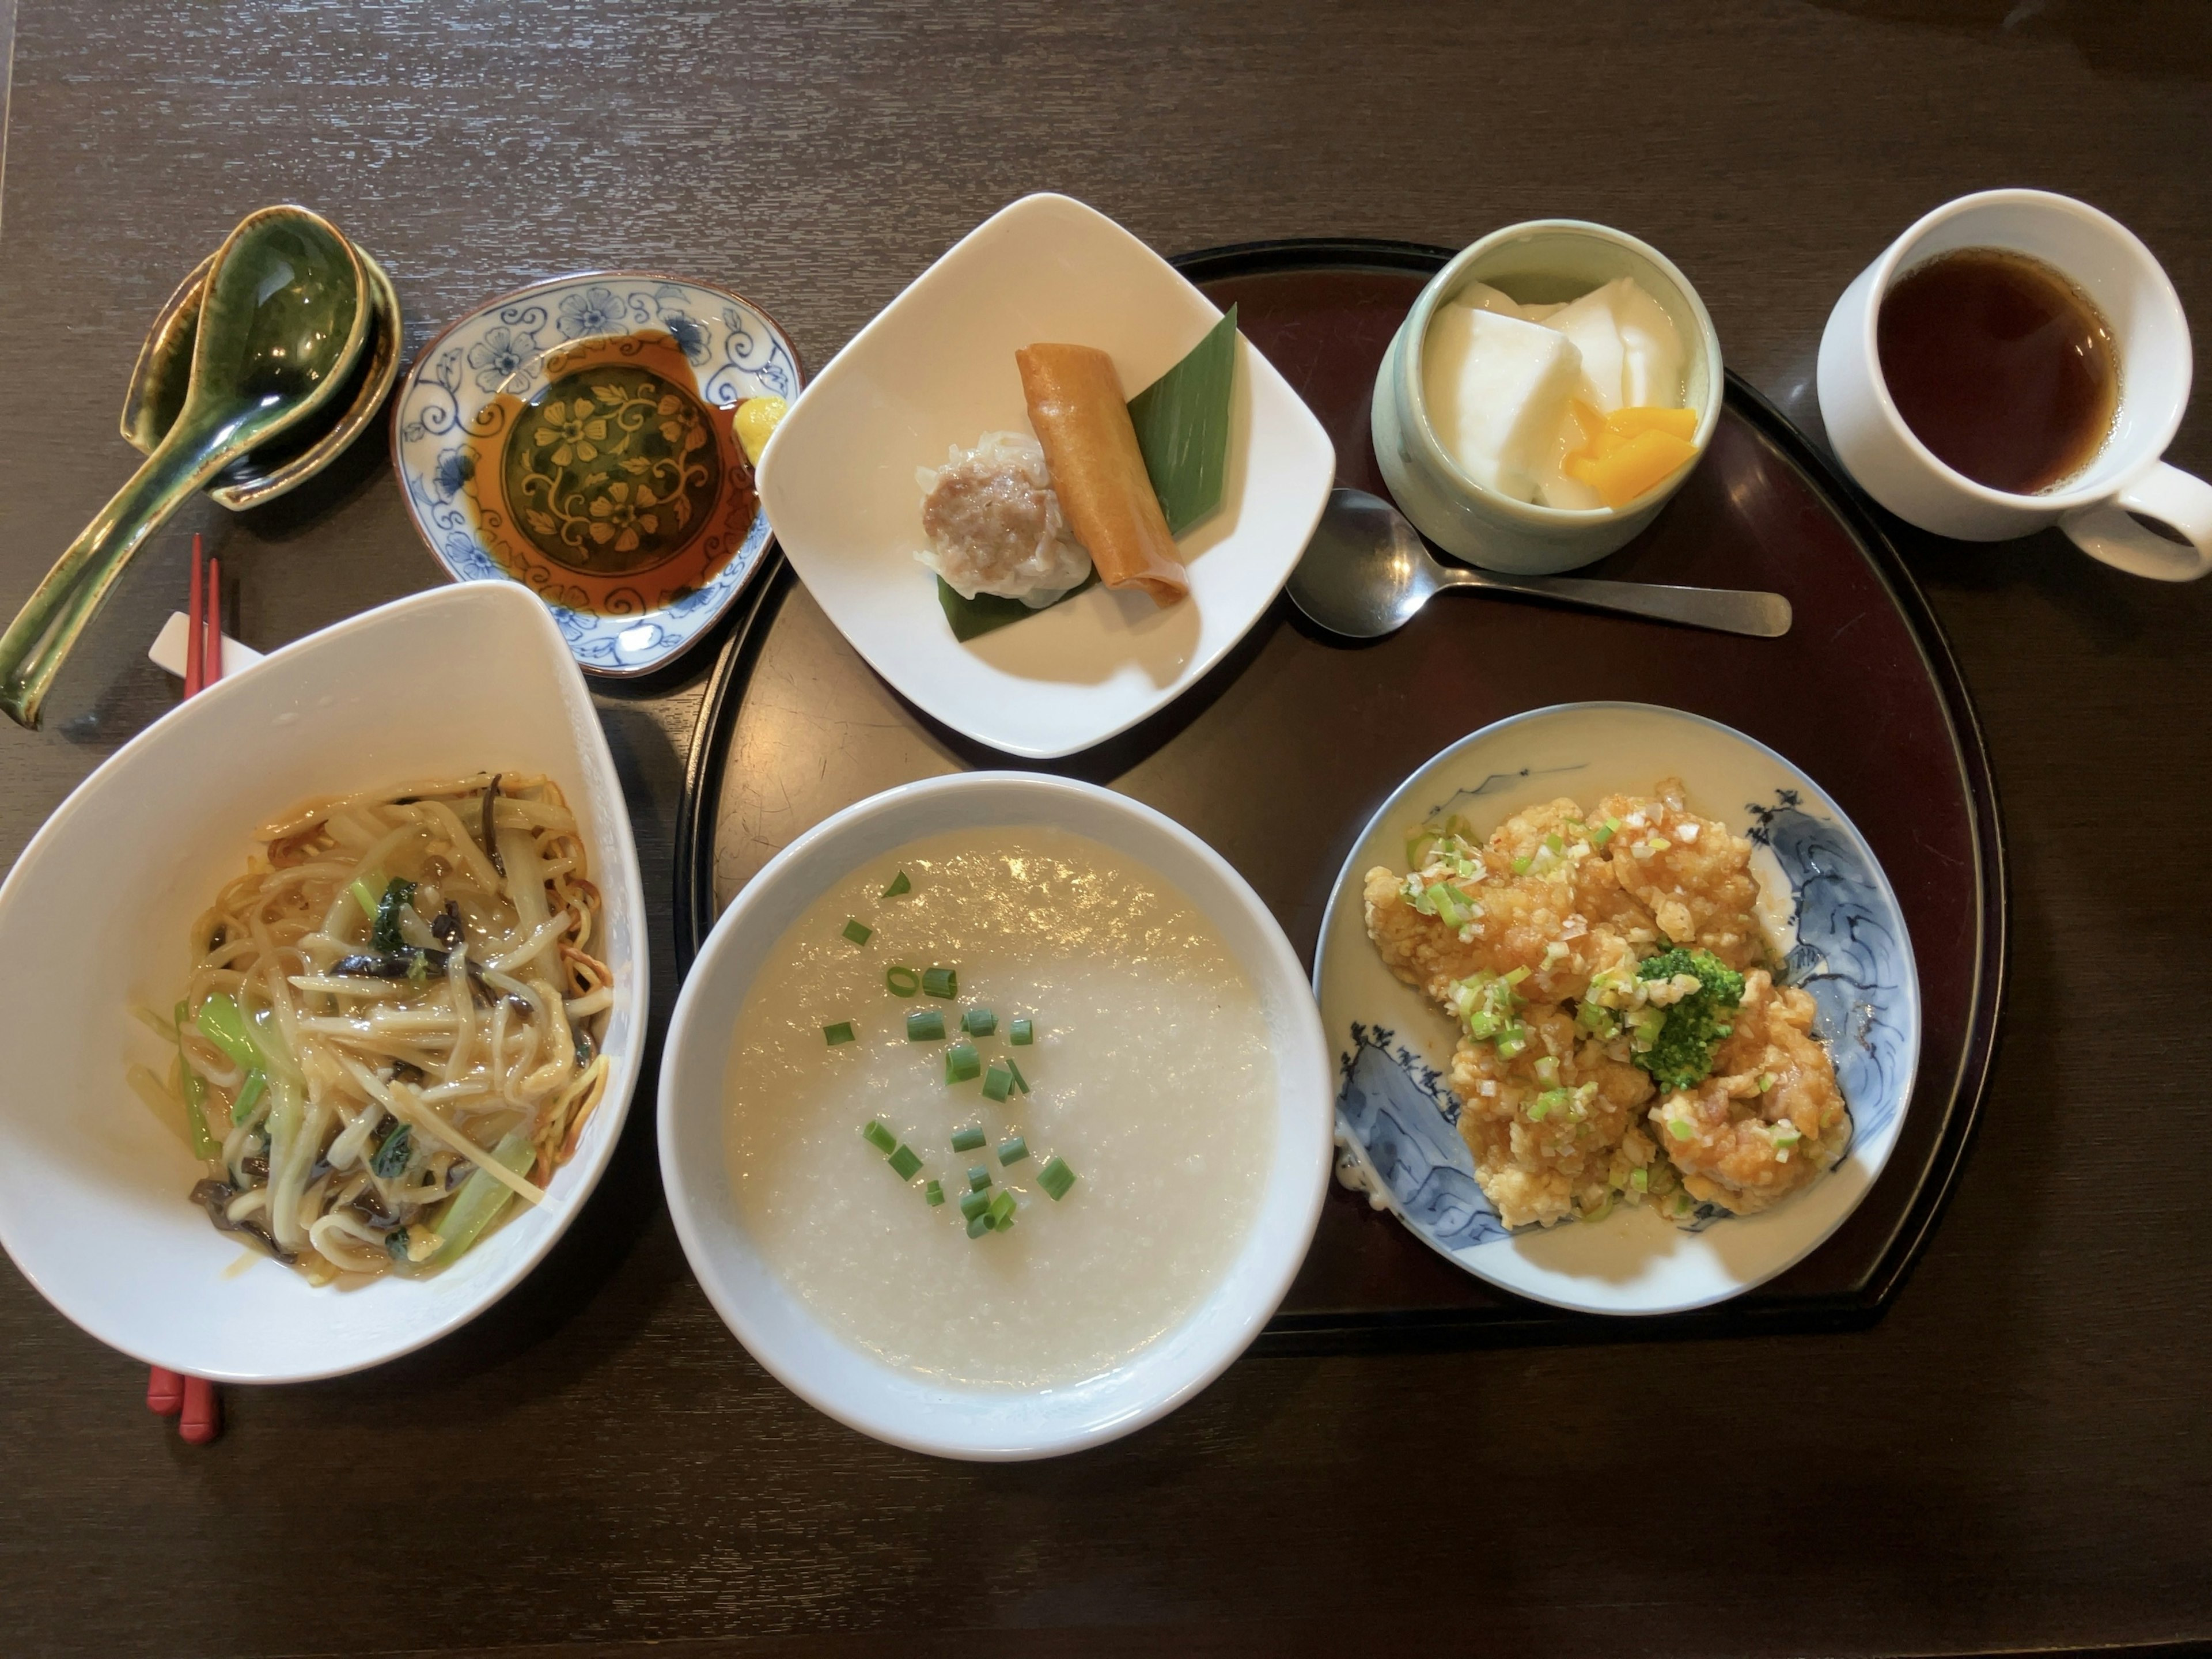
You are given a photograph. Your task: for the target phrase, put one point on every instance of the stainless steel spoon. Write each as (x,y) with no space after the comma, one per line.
(1367,571)
(285,316)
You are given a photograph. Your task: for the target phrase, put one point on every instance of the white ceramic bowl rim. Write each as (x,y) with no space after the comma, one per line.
(1896,260)
(1210,1338)
(1446,282)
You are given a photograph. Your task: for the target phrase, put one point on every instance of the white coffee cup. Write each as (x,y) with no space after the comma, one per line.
(2105,261)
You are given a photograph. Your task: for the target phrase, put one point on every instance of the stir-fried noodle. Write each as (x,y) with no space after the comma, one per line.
(391,1029)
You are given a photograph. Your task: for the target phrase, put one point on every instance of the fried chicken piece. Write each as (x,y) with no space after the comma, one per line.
(1744,1147)
(1548,1126)
(1537,895)
(1689,874)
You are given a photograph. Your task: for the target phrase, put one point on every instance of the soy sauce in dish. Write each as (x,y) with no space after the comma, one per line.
(2000,366)
(614,488)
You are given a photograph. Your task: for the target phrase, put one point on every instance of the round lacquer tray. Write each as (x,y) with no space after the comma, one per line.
(1281,754)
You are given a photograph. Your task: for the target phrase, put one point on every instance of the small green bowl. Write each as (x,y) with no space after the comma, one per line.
(1537,263)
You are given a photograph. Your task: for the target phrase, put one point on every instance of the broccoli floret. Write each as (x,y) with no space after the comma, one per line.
(1681,1050)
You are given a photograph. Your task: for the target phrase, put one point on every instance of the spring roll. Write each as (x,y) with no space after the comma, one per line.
(1083,422)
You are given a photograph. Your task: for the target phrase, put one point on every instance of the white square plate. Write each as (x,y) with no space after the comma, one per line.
(935,368)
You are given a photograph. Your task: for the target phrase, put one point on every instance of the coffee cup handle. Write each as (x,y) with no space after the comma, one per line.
(2167,494)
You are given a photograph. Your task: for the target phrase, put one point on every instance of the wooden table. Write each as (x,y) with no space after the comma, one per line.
(2017,1456)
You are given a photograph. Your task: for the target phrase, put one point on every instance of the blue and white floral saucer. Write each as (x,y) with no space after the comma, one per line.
(455,404)
(1827,905)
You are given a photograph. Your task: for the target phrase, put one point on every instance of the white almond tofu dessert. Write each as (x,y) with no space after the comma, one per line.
(1146,1076)
(1497,389)
(1631,357)
(1501,379)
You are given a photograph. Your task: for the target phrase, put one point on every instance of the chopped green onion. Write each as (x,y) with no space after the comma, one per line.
(1785,1135)
(1002,1210)
(1547,1103)
(249,1094)
(1679,1128)
(979,1022)
(968,1139)
(999,1081)
(1520,864)
(1021,1034)
(1554,845)
(858,931)
(878,1133)
(941,982)
(1641,1180)
(974,1204)
(1600,1213)
(1597,1020)
(1013,1149)
(1056,1177)
(902,981)
(979,1224)
(840,1032)
(1766,1080)
(1020,1082)
(899,885)
(979,1176)
(925,1025)
(932,1193)
(962,1062)
(905,1164)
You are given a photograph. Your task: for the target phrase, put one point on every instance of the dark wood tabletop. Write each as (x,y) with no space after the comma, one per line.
(2016,1457)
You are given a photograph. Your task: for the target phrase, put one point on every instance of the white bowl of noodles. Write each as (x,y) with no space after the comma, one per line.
(93,1184)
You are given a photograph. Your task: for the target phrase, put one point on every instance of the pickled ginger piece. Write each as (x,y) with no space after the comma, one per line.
(1497,390)
(1183,427)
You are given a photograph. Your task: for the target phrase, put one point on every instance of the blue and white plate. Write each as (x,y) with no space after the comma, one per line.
(1827,905)
(443,425)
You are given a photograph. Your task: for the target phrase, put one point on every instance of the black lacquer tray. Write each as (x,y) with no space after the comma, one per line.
(1863,694)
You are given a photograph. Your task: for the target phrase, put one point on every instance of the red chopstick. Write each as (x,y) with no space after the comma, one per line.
(194,620)
(193,1400)
(211,641)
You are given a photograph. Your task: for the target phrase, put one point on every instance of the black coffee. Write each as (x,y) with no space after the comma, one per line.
(2000,366)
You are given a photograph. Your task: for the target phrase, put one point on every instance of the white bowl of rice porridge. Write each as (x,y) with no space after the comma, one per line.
(995,1116)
